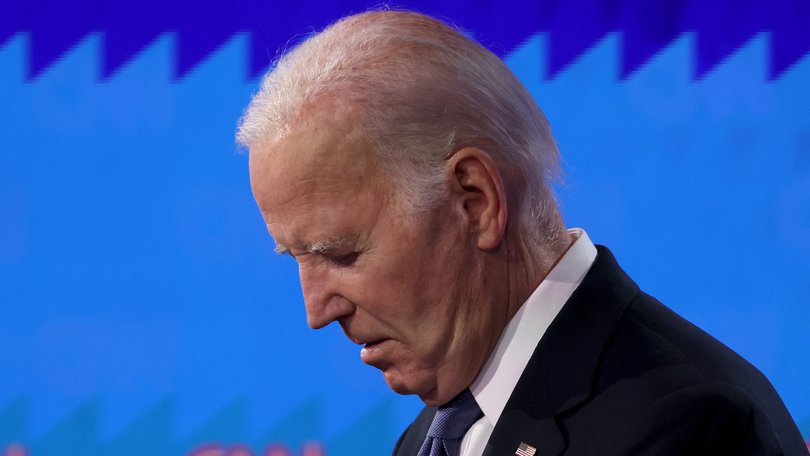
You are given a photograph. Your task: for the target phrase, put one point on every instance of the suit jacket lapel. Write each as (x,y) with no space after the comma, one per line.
(560,373)
(411,440)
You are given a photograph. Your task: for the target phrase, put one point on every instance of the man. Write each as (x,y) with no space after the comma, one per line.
(408,172)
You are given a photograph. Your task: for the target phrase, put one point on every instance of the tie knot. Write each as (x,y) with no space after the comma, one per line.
(454,418)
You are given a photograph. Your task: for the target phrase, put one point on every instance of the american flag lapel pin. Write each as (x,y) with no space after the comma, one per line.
(525,450)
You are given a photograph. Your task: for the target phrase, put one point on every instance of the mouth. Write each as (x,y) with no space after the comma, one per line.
(373,343)
(372,351)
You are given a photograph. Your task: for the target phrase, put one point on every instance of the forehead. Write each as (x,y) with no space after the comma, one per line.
(327,134)
(321,146)
(320,167)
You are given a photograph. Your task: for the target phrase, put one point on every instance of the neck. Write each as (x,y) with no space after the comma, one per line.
(529,262)
(508,277)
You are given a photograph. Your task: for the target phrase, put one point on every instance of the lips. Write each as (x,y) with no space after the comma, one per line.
(372,351)
(364,340)
(373,343)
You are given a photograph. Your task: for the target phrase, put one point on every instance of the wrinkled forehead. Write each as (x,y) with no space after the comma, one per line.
(321,152)
(326,131)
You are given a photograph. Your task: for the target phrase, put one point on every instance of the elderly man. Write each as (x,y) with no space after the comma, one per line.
(408,172)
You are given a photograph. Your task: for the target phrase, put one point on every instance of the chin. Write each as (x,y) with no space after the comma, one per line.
(404,383)
(423,388)
(397,383)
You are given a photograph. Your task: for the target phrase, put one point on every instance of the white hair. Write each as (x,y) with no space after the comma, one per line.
(423,90)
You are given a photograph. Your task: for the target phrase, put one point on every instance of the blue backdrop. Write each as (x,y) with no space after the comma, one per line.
(142,310)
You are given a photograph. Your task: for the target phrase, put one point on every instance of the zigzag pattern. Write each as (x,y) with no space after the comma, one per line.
(732,99)
(151,433)
(573,26)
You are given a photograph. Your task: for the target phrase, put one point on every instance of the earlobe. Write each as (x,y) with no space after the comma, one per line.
(479,190)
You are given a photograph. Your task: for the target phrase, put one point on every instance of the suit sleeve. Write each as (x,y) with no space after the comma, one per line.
(703,419)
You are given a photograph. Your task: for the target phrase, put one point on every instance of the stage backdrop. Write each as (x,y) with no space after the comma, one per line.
(142,310)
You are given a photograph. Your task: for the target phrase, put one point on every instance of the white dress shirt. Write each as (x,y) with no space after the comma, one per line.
(494,384)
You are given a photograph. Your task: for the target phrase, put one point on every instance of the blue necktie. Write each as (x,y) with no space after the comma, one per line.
(449,425)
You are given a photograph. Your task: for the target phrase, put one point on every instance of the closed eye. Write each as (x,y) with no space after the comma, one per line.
(345,260)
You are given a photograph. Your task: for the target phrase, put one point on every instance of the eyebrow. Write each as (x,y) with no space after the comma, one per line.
(281,249)
(320,247)
(328,245)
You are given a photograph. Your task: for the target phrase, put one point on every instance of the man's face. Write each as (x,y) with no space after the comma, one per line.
(408,288)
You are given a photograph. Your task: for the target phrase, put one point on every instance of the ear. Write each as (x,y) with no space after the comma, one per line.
(479,191)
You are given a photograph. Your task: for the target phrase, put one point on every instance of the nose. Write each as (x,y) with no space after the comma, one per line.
(323,299)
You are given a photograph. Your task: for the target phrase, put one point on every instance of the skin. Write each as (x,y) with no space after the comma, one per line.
(427,294)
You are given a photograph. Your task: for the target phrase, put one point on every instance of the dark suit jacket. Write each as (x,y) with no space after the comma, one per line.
(618,373)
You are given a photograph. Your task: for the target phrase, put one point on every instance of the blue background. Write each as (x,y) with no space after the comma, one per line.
(142,310)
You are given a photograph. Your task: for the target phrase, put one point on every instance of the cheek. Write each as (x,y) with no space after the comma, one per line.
(411,282)
(393,293)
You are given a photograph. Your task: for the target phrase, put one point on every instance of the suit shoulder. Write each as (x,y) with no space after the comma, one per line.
(657,359)
(649,335)
(706,418)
